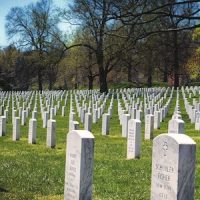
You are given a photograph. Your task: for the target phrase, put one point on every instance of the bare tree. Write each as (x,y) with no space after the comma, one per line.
(33,27)
(160,17)
(95,16)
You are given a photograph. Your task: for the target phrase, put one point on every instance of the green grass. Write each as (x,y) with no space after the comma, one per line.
(130,85)
(37,172)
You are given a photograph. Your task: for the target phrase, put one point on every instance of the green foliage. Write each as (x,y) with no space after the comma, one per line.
(121,85)
(130,85)
(193,63)
(196,35)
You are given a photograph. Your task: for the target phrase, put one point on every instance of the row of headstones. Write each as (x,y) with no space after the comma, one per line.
(28,100)
(162,170)
(135,112)
(22,114)
(87,118)
(47,98)
(152,121)
(96,108)
(105,123)
(176,124)
(32,131)
(193,111)
(23,111)
(89,113)
(134,130)
(173,165)
(192,90)
(45,115)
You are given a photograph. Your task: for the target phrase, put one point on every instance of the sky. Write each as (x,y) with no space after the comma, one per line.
(6,5)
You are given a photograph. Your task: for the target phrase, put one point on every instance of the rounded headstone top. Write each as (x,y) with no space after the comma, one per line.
(179,138)
(135,120)
(177,116)
(82,133)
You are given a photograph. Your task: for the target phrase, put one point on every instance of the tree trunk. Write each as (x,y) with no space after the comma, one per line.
(103,81)
(129,73)
(149,69)
(149,75)
(65,84)
(40,80)
(102,71)
(90,82)
(149,79)
(165,73)
(176,61)
(76,86)
(50,83)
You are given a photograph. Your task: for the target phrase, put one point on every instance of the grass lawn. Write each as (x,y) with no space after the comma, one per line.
(37,172)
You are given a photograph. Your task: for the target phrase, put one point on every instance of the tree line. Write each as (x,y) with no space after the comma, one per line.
(134,41)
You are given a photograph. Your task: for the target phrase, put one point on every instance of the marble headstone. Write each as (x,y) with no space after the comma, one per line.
(176,126)
(88,121)
(79,165)
(173,167)
(16,129)
(45,119)
(105,124)
(51,133)
(134,139)
(2,126)
(149,125)
(125,119)
(32,131)
(73,125)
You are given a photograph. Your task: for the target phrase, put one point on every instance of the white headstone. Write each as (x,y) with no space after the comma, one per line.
(45,119)
(34,114)
(6,114)
(79,165)
(63,111)
(51,133)
(139,114)
(156,119)
(149,124)
(125,119)
(83,115)
(105,124)
(73,125)
(88,121)
(16,129)
(173,167)
(197,125)
(95,116)
(52,113)
(14,112)
(176,126)
(32,131)
(2,126)
(134,139)
(23,122)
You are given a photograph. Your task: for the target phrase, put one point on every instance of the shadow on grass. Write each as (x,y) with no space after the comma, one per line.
(3,190)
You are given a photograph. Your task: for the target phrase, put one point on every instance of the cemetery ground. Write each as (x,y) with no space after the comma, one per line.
(37,172)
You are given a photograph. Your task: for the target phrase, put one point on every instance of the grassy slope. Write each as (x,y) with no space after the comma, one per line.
(36,172)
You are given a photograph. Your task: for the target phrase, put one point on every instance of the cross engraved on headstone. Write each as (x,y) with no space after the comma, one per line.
(165,148)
